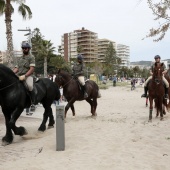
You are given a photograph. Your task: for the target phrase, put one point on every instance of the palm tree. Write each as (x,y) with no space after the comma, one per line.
(7,9)
(46,49)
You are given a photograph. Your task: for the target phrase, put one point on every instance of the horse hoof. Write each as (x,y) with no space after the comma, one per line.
(22,131)
(150,120)
(4,143)
(7,141)
(50,127)
(42,129)
(161,118)
(26,132)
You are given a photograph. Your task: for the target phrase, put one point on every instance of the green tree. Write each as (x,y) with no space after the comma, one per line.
(58,62)
(111,60)
(7,9)
(45,50)
(161,11)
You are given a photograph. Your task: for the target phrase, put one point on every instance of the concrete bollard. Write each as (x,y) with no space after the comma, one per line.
(60,130)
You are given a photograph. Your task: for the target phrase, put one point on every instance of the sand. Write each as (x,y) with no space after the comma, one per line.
(119,138)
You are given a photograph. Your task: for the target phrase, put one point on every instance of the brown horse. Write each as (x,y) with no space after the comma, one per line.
(167,76)
(157,91)
(72,91)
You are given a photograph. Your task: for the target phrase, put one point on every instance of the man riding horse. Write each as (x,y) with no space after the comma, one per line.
(25,68)
(78,71)
(157,60)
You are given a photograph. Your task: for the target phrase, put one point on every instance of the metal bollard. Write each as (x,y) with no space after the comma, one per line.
(60,130)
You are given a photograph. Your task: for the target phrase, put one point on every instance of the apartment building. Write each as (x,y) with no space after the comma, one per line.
(80,41)
(123,52)
(102,48)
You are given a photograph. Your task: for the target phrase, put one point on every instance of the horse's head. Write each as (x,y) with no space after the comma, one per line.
(62,78)
(157,72)
(7,76)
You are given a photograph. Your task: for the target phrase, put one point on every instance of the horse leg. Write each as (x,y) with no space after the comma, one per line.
(10,125)
(73,110)
(69,104)
(91,104)
(8,138)
(146,101)
(164,112)
(51,119)
(151,109)
(14,116)
(161,111)
(94,106)
(46,114)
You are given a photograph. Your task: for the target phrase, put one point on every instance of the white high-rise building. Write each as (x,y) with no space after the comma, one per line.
(123,52)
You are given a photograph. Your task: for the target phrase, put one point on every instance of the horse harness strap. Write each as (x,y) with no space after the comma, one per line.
(8,86)
(67,82)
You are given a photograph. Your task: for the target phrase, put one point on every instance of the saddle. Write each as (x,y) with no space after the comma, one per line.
(79,84)
(77,81)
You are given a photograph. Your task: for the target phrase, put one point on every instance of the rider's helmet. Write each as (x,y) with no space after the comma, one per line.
(157,56)
(25,45)
(80,57)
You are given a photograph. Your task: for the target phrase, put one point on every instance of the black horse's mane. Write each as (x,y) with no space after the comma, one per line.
(5,69)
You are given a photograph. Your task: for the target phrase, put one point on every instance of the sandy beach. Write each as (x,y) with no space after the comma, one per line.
(119,138)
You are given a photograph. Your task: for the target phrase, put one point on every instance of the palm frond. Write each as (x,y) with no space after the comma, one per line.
(25,11)
(2,7)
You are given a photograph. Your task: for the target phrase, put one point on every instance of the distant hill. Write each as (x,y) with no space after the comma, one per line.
(145,63)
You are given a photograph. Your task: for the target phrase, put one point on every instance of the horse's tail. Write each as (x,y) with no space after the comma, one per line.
(58,95)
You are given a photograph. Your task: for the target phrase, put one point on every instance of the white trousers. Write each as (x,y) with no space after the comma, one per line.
(81,80)
(29,83)
(163,78)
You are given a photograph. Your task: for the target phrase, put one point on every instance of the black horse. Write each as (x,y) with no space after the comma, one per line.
(14,98)
(72,91)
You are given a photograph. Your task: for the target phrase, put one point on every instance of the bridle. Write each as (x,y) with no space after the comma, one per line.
(8,86)
(158,79)
(60,77)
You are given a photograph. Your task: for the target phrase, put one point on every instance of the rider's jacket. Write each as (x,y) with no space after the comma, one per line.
(24,63)
(78,69)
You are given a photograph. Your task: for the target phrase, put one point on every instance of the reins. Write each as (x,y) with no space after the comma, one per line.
(8,86)
(67,82)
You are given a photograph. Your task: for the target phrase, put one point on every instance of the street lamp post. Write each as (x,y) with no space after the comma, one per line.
(29,34)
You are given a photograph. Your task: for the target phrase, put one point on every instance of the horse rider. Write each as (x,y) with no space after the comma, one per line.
(24,69)
(78,71)
(157,60)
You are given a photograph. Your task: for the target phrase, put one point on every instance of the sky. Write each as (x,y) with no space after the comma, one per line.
(124,22)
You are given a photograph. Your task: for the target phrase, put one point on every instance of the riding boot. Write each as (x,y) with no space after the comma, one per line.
(166,93)
(33,94)
(145,92)
(85,92)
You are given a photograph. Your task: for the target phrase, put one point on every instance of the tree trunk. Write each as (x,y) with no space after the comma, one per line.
(10,49)
(45,67)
